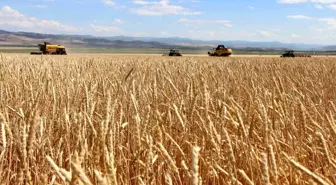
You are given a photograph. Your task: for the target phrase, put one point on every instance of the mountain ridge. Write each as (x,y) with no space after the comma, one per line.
(31,38)
(231,43)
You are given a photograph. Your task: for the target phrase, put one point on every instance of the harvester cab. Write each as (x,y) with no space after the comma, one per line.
(48,49)
(221,50)
(43,47)
(220,47)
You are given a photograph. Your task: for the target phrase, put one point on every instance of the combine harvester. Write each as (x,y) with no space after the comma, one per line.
(221,50)
(173,52)
(290,53)
(50,49)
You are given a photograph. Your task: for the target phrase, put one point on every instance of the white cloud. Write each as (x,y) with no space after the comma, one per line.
(118,21)
(108,2)
(13,20)
(106,29)
(265,33)
(318,6)
(142,2)
(306,1)
(331,22)
(296,36)
(223,22)
(40,6)
(160,8)
(298,17)
(212,34)
(291,1)
(332,6)
(323,1)
(251,7)
(189,1)
(317,3)
(165,34)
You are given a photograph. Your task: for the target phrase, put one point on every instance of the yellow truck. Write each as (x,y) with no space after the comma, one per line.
(221,50)
(50,49)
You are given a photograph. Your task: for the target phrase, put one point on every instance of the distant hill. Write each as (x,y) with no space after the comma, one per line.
(234,43)
(31,39)
(330,48)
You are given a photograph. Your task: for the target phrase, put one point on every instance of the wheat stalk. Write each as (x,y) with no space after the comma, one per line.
(245,177)
(3,134)
(195,165)
(170,160)
(274,163)
(306,171)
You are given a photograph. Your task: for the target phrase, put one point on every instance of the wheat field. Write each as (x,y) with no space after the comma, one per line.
(159,120)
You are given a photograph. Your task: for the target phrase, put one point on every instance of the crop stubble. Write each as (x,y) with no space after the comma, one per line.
(160,120)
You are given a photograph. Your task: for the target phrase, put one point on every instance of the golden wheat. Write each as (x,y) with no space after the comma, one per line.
(102,119)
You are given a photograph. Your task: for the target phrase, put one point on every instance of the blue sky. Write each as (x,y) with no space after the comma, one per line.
(300,21)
